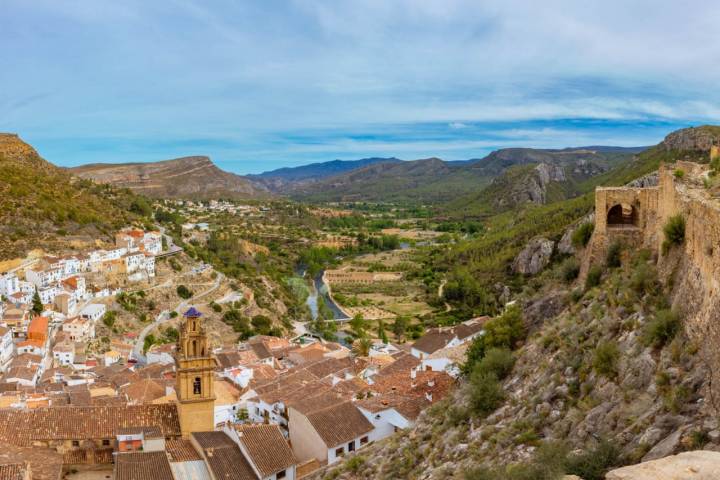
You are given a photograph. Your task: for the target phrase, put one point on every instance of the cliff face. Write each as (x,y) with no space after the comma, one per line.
(695,139)
(188,177)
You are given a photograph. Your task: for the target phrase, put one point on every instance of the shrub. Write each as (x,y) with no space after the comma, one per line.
(109,318)
(505,330)
(662,329)
(498,361)
(605,359)
(679,173)
(644,280)
(593,464)
(593,277)
(674,231)
(184,292)
(570,269)
(581,235)
(614,254)
(355,464)
(486,393)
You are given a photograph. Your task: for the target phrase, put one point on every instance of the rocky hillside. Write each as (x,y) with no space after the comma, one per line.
(43,206)
(195,178)
(694,139)
(435,181)
(287,179)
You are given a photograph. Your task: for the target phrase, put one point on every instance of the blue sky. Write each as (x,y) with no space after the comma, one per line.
(262,84)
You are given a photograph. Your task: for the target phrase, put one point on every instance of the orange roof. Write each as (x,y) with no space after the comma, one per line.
(38,325)
(71,282)
(31,342)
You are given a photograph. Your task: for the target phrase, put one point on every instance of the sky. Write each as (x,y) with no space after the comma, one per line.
(258,85)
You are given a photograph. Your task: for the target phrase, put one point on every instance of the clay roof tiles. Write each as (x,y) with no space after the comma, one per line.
(143,466)
(339,423)
(267,448)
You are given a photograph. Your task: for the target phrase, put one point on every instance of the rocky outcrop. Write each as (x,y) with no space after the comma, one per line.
(196,178)
(695,139)
(697,465)
(534,257)
(565,245)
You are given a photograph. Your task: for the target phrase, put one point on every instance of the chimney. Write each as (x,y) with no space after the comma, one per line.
(431,383)
(413,374)
(428,397)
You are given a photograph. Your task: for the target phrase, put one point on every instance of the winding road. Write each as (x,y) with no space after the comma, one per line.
(164,317)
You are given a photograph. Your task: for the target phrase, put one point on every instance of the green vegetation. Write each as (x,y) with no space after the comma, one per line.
(614,255)
(184,292)
(605,359)
(570,269)
(674,231)
(37,305)
(660,331)
(593,277)
(581,236)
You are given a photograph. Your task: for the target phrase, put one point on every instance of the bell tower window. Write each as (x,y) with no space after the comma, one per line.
(197,386)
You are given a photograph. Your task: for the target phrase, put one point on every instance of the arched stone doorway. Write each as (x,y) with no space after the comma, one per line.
(622,214)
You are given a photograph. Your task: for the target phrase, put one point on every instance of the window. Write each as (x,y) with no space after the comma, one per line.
(351,446)
(339,451)
(280,475)
(364,440)
(106,442)
(197,389)
(75,443)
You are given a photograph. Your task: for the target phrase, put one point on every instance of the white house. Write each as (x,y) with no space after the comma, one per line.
(93,311)
(79,329)
(391,413)
(328,434)
(6,346)
(64,353)
(161,353)
(445,337)
(9,284)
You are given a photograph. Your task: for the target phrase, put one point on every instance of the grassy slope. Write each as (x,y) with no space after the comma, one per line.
(40,204)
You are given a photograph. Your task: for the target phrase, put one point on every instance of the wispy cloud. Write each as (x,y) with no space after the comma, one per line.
(256,85)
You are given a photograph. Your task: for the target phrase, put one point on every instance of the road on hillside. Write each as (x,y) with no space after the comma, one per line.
(164,317)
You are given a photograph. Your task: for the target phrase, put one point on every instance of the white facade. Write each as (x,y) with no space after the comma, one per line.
(386,422)
(93,311)
(64,353)
(6,346)
(9,284)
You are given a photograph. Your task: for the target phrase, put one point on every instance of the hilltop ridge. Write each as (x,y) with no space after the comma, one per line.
(195,177)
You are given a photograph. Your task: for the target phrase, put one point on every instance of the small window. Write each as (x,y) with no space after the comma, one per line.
(339,451)
(351,446)
(364,440)
(75,443)
(106,442)
(197,386)
(280,475)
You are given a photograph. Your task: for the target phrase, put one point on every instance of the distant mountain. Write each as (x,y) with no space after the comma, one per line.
(436,181)
(196,178)
(281,179)
(43,206)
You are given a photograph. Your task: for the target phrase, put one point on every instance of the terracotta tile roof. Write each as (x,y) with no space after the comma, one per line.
(181,451)
(434,339)
(404,362)
(143,391)
(339,424)
(407,406)
(21,427)
(470,327)
(234,359)
(143,466)
(261,350)
(328,366)
(267,448)
(13,471)
(320,399)
(147,432)
(223,456)
(436,384)
(38,325)
(45,463)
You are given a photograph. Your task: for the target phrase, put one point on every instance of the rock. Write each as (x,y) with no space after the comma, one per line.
(714,436)
(534,257)
(546,307)
(638,372)
(666,447)
(697,465)
(694,139)
(565,245)
(652,436)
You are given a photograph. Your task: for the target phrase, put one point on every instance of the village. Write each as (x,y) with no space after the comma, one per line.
(267,407)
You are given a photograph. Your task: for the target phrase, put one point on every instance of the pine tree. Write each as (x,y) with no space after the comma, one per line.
(37,306)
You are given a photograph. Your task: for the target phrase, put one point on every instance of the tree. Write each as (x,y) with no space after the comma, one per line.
(184,292)
(37,305)
(262,324)
(358,325)
(400,326)
(381,332)
(361,347)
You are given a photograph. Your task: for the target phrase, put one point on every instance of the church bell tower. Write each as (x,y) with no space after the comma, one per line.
(195,376)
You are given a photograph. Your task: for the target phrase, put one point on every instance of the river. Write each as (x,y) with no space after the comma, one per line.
(320,288)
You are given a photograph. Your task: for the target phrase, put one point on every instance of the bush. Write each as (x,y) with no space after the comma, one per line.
(570,269)
(605,359)
(674,231)
(486,393)
(679,174)
(581,236)
(593,277)
(498,361)
(593,464)
(660,331)
(506,330)
(644,280)
(109,318)
(614,255)
(184,292)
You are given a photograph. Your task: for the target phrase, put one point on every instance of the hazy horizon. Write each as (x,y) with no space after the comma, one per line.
(257,87)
